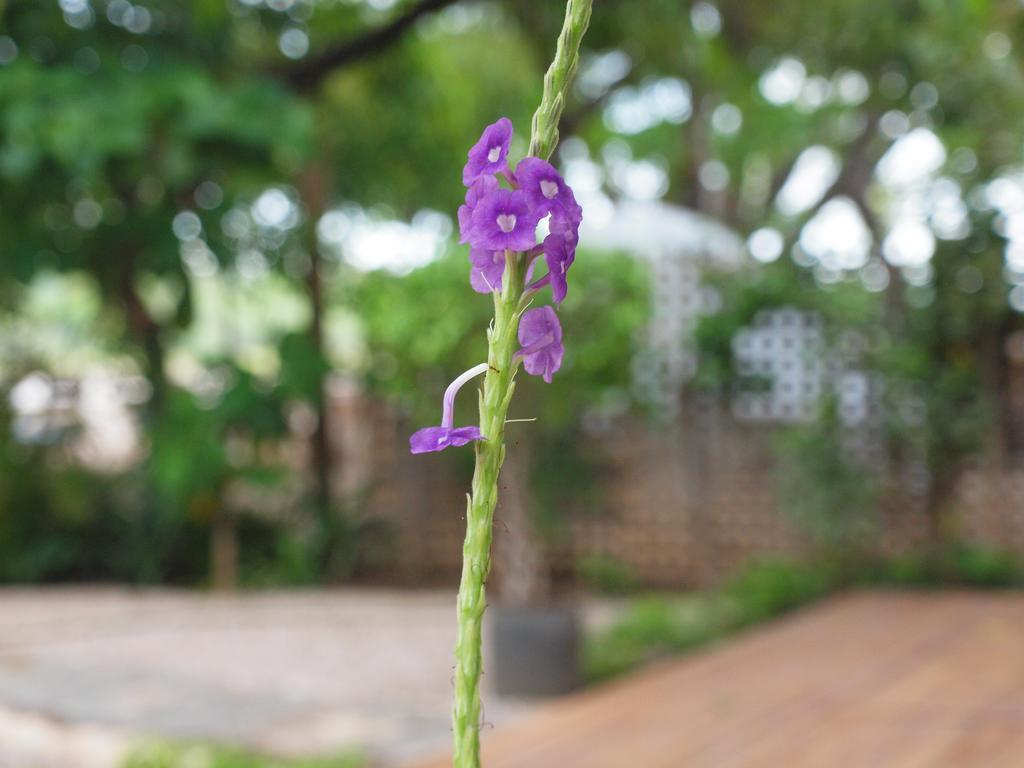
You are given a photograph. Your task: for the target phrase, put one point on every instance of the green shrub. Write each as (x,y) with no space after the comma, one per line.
(606,574)
(205,756)
(768,588)
(961,564)
(980,567)
(655,627)
(912,569)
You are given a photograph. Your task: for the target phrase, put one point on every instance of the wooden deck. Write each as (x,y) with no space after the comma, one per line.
(863,681)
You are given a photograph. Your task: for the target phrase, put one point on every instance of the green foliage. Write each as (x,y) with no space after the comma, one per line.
(107,134)
(981,567)
(606,575)
(823,492)
(419,346)
(957,564)
(942,367)
(932,349)
(652,628)
(658,626)
(73,522)
(203,756)
(425,123)
(770,588)
(829,496)
(188,468)
(777,285)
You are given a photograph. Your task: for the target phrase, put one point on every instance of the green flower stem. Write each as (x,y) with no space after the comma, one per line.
(476,550)
(499,384)
(544,137)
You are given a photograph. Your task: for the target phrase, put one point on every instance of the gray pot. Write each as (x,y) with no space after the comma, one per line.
(534,650)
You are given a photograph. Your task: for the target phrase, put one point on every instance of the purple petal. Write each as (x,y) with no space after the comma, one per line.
(537,324)
(542,184)
(559,255)
(503,220)
(487,271)
(477,190)
(488,155)
(430,439)
(465,216)
(565,222)
(540,335)
(547,365)
(462,435)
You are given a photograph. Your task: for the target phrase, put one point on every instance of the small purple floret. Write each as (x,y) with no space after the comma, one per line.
(431,439)
(560,248)
(477,190)
(566,216)
(542,185)
(488,155)
(502,221)
(540,335)
(559,255)
(488,269)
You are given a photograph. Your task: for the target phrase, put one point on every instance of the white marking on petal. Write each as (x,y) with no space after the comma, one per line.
(506,222)
(548,188)
(494,154)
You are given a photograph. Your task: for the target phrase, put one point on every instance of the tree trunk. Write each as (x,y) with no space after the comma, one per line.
(145,330)
(151,542)
(223,551)
(314,194)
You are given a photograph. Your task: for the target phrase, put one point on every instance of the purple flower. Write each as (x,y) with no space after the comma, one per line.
(488,269)
(542,184)
(559,253)
(541,337)
(488,155)
(566,216)
(560,249)
(478,189)
(503,221)
(431,439)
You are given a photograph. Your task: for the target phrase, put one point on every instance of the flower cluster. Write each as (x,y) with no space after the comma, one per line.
(496,220)
(499,221)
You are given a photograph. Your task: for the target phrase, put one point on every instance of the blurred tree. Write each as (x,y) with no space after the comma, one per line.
(140,142)
(152,144)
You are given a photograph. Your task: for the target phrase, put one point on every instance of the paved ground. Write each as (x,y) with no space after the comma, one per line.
(82,672)
(893,680)
(887,680)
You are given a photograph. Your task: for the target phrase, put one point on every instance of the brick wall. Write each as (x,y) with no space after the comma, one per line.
(683,506)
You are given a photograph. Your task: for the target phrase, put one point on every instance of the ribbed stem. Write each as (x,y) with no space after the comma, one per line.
(544,137)
(476,550)
(497,392)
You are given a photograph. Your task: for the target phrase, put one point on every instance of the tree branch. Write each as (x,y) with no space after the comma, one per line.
(308,75)
(853,179)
